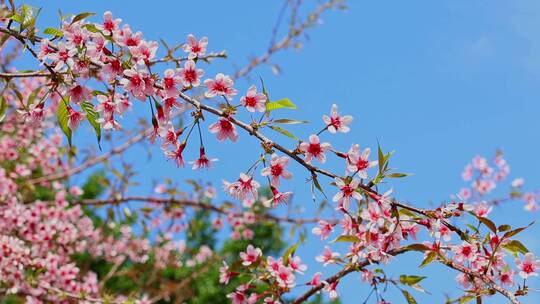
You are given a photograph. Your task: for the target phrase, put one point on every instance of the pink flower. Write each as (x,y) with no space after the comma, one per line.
(347,191)
(323,230)
(170,80)
(244,188)
(331,290)
(134,82)
(359,162)
(224,274)
(110,25)
(177,154)
(127,38)
(144,52)
(507,277)
(296,264)
(224,129)
(190,75)
(273,265)
(285,277)
(277,198)
(327,257)
(314,149)
(316,280)
(482,209)
(194,47)
(222,86)
(528,266)
(79,93)
(203,161)
(518,182)
(277,169)
(336,123)
(465,252)
(74,118)
(254,101)
(251,255)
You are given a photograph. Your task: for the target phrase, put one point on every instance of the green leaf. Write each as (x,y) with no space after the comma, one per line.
(416,247)
(410,279)
(62,115)
(488,223)
(3,108)
(380,154)
(429,258)
(287,121)
(32,96)
(280,104)
(81,16)
(515,246)
(317,184)
(503,228)
(511,233)
(53,31)
(91,28)
(473,228)
(410,299)
(92,116)
(283,131)
(397,175)
(290,251)
(346,238)
(466,298)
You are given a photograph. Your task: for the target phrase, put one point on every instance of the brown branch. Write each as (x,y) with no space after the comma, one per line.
(336,277)
(92,161)
(189,203)
(287,41)
(359,265)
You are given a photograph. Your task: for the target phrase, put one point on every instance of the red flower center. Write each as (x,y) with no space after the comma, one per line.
(314,149)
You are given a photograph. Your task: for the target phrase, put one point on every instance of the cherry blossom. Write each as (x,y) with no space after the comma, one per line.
(224,129)
(346,191)
(277,169)
(194,47)
(359,162)
(250,256)
(254,101)
(190,75)
(528,265)
(221,85)
(336,123)
(314,149)
(328,256)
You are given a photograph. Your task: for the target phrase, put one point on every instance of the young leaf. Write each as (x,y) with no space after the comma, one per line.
(290,251)
(410,279)
(32,96)
(62,115)
(397,175)
(488,223)
(429,258)
(92,116)
(515,246)
(346,238)
(410,299)
(283,131)
(511,233)
(53,31)
(287,121)
(416,247)
(3,108)
(81,16)
(280,104)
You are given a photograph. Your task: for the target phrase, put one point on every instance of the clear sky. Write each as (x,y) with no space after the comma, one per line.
(437,81)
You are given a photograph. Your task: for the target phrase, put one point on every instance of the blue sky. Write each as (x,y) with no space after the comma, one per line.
(439,82)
